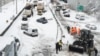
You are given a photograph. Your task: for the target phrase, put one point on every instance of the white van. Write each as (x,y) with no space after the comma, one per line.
(31,32)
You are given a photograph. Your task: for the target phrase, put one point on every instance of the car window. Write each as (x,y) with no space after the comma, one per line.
(24,19)
(28,7)
(24,24)
(33,30)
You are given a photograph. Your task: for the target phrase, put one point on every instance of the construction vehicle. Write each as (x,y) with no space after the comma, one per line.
(84,43)
(74,30)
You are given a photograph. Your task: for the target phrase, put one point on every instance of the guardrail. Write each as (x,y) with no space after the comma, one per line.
(11,23)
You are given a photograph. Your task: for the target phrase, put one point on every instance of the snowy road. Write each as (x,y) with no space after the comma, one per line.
(47,34)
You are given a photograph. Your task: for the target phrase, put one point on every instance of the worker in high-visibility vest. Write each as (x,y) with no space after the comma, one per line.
(73,30)
(59,46)
(60,43)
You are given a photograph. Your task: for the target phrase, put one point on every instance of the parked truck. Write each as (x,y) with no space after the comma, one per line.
(40,7)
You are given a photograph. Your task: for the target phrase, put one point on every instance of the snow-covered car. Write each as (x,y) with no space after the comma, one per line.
(58,8)
(80,17)
(24,26)
(66,11)
(64,1)
(24,18)
(28,10)
(64,7)
(35,3)
(91,27)
(24,23)
(42,20)
(67,15)
(28,13)
(31,32)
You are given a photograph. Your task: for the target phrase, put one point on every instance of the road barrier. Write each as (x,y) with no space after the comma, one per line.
(11,23)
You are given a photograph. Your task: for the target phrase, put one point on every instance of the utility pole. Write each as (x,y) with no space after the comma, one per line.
(16,7)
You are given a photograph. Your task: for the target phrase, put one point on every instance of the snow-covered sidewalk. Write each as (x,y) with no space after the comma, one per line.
(9,13)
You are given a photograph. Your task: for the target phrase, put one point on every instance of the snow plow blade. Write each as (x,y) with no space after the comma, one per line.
(76,48)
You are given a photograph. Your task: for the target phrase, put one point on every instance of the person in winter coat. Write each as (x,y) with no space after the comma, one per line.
(32,12)
(59,46)
(96,51)
(68,28)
